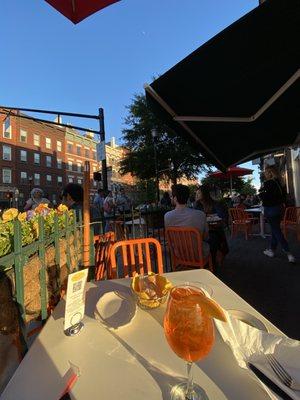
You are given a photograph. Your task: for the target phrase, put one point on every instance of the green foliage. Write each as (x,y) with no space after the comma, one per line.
(248,188)
(239,185)
(175,157)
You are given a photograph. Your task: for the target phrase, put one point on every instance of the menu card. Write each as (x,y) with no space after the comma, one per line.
(75,299)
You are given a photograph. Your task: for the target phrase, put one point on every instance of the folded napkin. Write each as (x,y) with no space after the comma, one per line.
(249,344)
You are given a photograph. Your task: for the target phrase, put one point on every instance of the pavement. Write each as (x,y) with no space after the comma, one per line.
(271,285)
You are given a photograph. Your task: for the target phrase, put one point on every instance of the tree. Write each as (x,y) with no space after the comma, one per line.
(240,185)
(175,157)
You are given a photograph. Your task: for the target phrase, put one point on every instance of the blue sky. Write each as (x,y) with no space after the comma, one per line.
(47,62)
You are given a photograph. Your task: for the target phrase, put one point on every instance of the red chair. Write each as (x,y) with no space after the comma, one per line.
(186,248)
(103,245)
(136,256)
(291,221)
(240,222)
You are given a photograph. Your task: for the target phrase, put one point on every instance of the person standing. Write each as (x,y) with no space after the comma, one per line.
(36,198)
(99,200)
(273,197)
(123,202)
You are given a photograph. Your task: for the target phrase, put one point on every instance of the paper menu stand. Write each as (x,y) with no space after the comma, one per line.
(75,302)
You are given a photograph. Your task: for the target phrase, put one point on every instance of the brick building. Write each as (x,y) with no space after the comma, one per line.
(35,154)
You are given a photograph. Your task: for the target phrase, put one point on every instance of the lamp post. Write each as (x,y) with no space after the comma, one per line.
(154,137)
(17,193)
(30,184)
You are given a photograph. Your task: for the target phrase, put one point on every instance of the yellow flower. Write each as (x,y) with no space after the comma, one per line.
(62,208)
(22,217)
(36,228)
(10,214)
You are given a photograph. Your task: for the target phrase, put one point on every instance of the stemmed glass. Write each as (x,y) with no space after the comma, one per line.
(190,333)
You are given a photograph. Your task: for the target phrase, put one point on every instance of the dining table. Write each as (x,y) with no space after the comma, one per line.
(132,361)
(258,211)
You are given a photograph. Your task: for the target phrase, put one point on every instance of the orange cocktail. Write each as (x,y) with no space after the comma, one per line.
(188,328)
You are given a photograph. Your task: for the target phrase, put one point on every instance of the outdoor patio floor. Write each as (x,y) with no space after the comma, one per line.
(271,285)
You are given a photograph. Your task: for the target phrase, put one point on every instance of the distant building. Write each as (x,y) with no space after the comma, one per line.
(35,154)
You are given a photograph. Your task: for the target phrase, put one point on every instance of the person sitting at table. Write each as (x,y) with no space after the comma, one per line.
(273,196)
(217,238)
(184,216)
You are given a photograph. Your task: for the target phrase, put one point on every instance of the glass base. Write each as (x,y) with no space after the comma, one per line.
(178,392)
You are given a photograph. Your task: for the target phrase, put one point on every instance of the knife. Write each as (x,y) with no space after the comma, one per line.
(268,382)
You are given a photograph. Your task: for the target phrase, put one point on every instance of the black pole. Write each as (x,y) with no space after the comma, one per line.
(156,170)
(102,138)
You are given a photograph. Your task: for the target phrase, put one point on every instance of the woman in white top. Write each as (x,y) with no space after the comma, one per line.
(36,198)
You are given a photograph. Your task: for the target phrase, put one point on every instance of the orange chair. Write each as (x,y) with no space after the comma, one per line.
(103,245)
(291,220)
(136,257)
(185,245)
(240,221)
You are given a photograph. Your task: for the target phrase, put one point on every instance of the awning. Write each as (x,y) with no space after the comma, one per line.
(238,95)
(77,10)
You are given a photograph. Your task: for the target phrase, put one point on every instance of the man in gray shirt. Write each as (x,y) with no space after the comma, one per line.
(187,217)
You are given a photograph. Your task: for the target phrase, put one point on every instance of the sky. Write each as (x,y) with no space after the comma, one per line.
(50,63)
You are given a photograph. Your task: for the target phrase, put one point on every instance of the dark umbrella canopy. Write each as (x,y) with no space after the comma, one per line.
(77,10)
(238,95)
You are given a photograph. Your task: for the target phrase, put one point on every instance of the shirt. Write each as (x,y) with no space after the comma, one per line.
(272,193)
(188,217)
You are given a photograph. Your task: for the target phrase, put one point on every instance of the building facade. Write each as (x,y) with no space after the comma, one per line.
(35,154)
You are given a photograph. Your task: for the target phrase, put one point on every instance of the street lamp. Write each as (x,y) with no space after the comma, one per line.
(154,135)
(30,184)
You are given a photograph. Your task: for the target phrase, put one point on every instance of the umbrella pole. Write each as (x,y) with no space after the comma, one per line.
(86,215)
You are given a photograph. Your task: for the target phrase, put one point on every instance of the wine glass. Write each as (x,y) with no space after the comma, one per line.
(189,331)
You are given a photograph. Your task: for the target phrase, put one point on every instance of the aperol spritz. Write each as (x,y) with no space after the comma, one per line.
(189,331)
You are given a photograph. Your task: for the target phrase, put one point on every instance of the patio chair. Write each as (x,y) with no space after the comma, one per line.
(185,245)
(291,221)
(135,256)
(103,245)
(240,222)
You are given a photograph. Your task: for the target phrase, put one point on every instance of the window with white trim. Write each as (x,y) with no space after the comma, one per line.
(59,163)
(48,143)
(6,175)
(23,136)
(69,147)
(70,179)
(87,153)
(23,177)
(23,155)
(37,179)
(7,128)
(94,155)
(48,161)
(48,179)
(37,158)
(36,139)
(78,150)
(70,165)
(79,181)
(59,180)
(6,153)
(79,167)
(58,145)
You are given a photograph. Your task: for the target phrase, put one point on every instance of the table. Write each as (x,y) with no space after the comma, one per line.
(133,362)
(261,220)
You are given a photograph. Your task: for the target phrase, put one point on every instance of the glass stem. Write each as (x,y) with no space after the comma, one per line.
(190,383)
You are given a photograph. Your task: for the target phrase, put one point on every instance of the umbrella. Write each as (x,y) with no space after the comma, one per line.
(231,172)
(237,96)
(77,10)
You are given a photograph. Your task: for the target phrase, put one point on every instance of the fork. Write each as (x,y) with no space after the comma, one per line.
(282,373)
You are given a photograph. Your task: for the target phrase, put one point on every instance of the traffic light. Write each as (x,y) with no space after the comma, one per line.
(9,195)
(97,176)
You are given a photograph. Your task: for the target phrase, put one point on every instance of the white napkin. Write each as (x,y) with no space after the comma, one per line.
(249,344)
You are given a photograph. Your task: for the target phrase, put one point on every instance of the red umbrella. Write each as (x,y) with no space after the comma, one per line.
(77,10)
(231,172)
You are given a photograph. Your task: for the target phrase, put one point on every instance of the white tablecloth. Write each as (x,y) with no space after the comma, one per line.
(133,362)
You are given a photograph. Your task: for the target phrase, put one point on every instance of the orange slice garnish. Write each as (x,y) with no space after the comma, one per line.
(211,307)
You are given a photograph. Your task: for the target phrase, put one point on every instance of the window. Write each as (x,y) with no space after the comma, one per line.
(59,163)
(7,128)
(95,183)
(87,153)
(70,179)
(79,167)
(37,179)
(6,153)
(70,165)
(78,150)
(59,180)
(48,143)
(48,179)
(94,155)
(79,181)
(58,145)
(23,177)
(23,136)
(95,168)
(69,148)
(23,155)
(37,158)
(36,140)
(6,175)
(48,161)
